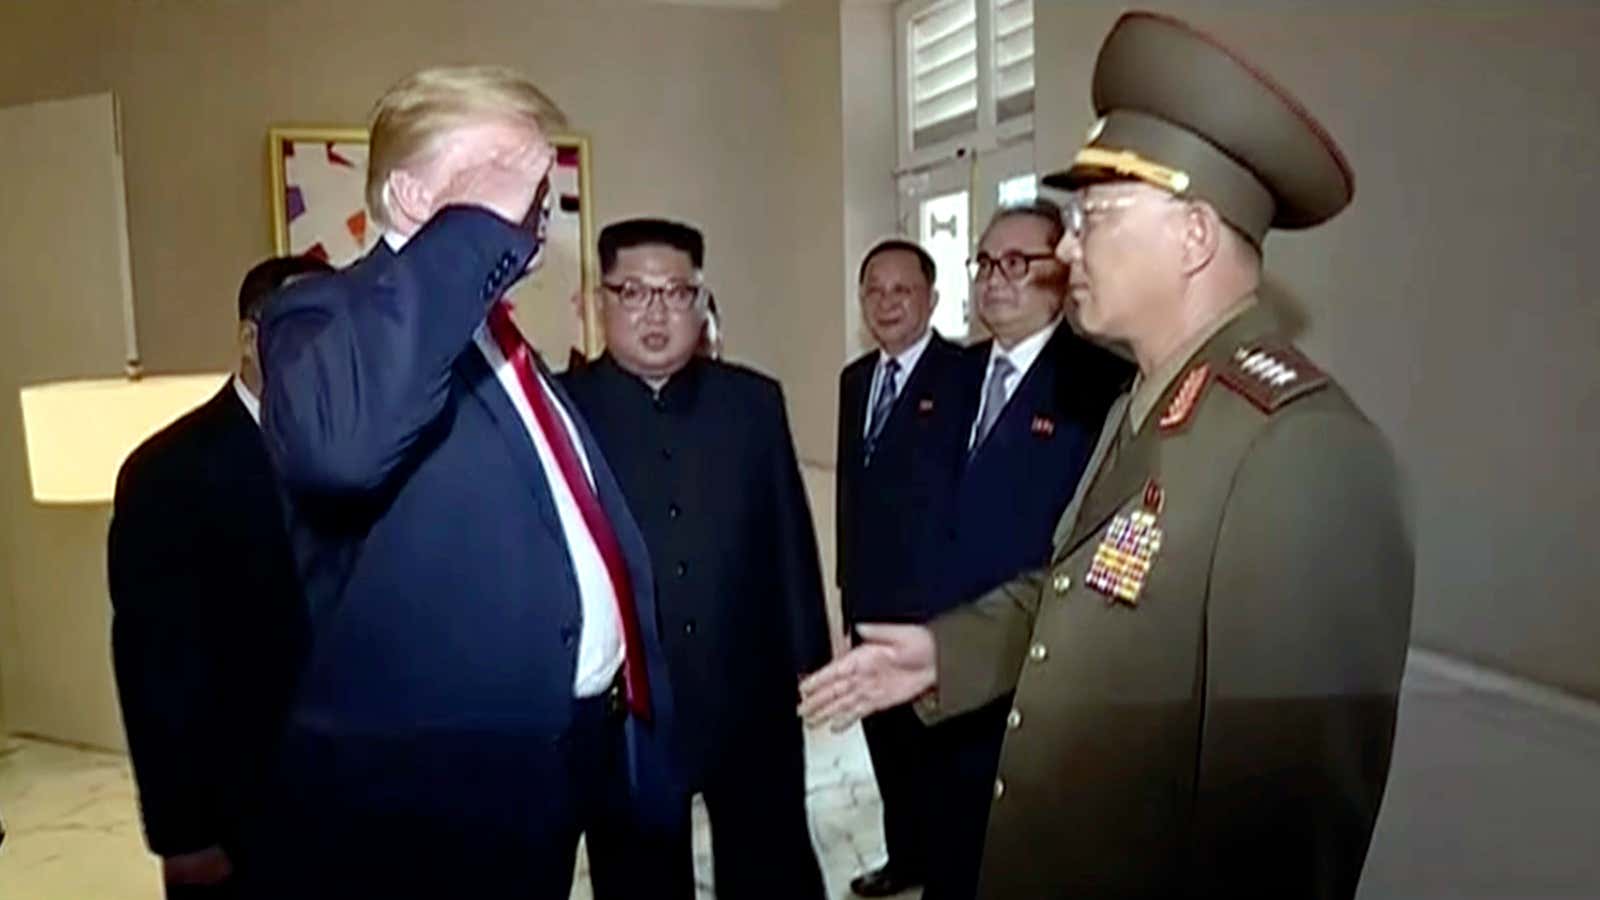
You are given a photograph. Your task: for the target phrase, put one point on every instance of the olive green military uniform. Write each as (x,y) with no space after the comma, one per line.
(1207,673)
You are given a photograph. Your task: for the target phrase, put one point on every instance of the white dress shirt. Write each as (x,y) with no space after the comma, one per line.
(252,403)
(600,645)
(907,359)
(1022,358)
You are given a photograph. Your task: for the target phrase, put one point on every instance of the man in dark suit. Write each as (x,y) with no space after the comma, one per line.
(904,410)
(208,625)
(1045,393)
(486,682)
(703,452)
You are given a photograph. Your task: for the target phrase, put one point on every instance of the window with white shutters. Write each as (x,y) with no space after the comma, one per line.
(966,76)
(1013,59)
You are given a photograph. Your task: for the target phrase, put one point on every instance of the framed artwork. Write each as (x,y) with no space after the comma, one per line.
(318,195)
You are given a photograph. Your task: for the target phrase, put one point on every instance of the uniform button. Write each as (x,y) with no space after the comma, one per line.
(1038,652)
(1014,720)
(658,403)
(688,627)
(674,511)
(682,569)
(999,788)
(1062,583)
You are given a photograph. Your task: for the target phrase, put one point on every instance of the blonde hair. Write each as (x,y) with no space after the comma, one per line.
(412,118)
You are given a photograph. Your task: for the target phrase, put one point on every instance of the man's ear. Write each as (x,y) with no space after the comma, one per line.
(408,198)
(1201,237)
(249,338)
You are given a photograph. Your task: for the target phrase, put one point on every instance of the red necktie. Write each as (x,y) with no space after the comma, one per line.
(635,681)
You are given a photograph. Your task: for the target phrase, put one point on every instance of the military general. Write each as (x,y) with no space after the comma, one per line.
(1206,672)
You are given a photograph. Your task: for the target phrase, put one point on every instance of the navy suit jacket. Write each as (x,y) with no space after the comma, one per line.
(442,593)
(1014,486)
(889,509)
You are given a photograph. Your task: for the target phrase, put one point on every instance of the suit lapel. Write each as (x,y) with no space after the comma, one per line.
(857,385)
(916,382)
(491,395)
(609,493)
(1132,457)
(1108,434)
(1016,418)
(913,390)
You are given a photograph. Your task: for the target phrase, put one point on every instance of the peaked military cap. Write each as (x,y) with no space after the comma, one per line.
(1183,112)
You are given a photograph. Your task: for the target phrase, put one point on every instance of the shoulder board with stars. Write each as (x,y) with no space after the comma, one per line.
(1271,375)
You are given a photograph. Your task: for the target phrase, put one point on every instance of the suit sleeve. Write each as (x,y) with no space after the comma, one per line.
(1306,634)
(798,562)
(164,654)
(843,518)
(980,647)
(357,367)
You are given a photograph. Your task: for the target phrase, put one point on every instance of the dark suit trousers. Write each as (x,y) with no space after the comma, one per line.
(448,814)
(898,743)
(760,838)
(964,758)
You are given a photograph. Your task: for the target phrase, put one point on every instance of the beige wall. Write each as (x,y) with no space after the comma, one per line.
(61,291)
(687,109)
(868,61)
(810,212)
(682,105)
(1458,299)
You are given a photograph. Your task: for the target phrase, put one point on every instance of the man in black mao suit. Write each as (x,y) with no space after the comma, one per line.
(703,453)
(208,625)
(904,410)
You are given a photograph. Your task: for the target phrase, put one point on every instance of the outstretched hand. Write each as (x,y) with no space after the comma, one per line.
(894,664)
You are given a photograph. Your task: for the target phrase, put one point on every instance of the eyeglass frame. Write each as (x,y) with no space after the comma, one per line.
(1075,212)
(652,292)
(982,266)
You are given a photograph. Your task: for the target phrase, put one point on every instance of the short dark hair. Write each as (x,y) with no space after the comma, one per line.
(629,233)
(924,259)
(264,280)
(1038,208)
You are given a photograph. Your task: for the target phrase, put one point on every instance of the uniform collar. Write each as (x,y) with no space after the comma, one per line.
(1148,391)
(678,394)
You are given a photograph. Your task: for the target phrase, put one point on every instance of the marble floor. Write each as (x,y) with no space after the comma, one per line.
(1495,793)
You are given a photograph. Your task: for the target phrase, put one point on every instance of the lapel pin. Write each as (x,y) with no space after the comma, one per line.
(1043,427)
